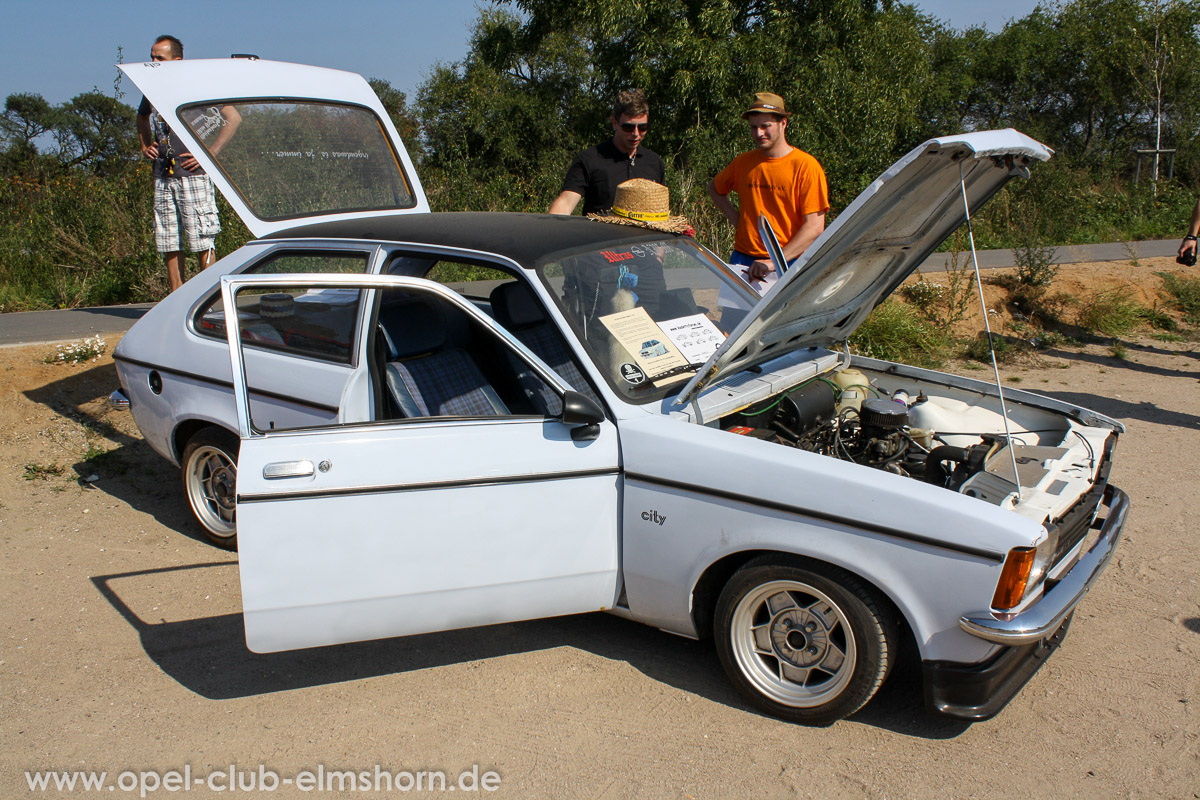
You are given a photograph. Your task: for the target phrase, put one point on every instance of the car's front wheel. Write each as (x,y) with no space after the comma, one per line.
(807,646)
(210,483)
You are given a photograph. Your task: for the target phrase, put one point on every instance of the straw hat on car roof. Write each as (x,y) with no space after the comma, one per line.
(645,204)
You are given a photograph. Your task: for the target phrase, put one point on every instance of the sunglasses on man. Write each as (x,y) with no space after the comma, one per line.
(629,127)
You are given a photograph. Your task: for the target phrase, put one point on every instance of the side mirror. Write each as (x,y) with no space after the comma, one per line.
(579,409)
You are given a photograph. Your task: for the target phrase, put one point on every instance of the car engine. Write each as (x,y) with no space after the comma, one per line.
(874,432)
(937,435)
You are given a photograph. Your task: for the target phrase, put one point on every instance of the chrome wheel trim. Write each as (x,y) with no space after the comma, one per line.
(793,643)
(212,490)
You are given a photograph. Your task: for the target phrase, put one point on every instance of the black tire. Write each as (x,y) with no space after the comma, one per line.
(210,483)
(806,646)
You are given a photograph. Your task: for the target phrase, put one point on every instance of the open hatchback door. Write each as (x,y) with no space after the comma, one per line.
(285,143)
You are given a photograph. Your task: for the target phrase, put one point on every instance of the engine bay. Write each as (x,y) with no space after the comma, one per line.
(942,435)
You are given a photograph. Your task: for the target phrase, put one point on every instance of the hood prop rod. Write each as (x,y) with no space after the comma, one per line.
(962,182)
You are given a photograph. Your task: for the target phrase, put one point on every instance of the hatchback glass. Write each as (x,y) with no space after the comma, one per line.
(291,159)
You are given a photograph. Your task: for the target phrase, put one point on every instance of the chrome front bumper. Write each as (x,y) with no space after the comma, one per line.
(118,400)
(1047,614)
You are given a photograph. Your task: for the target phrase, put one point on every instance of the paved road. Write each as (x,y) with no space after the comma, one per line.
(31,327)
(1067,254)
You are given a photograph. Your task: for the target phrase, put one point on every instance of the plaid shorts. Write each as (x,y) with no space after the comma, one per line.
(185,205)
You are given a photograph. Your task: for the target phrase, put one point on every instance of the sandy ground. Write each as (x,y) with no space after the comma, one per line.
(123,650)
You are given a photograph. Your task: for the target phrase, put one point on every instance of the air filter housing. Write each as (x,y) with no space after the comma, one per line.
(885,415)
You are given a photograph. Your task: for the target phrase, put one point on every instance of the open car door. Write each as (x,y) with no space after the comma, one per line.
(421,516)
(285,143)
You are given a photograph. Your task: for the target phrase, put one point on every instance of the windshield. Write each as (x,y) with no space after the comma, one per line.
(290,159)
(649,313)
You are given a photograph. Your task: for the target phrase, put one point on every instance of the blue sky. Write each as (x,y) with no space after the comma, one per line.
(59,48)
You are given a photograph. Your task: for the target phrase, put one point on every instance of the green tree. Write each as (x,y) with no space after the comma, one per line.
(97,132)
(1162,55)
(26,118)
(93,131)
(1088,77)
(536,87)
(497,124)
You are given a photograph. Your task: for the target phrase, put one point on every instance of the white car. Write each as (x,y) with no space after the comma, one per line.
(425,422)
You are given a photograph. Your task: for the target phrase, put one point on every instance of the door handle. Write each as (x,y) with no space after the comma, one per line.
(288,469)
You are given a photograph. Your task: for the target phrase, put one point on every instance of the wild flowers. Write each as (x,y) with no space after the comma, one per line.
(89,349)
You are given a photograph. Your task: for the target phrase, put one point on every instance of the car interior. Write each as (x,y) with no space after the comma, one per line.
(435,360)
(516,308)
(431,359)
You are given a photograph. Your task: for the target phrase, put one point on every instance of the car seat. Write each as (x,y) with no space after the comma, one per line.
(428,373)
(516,308)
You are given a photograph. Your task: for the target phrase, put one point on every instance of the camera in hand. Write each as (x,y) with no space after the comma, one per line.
(1188,259)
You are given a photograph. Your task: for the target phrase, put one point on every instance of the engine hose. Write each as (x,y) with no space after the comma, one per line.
(784,429)
(935,470)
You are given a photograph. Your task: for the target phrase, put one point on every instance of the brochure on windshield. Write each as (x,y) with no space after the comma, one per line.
(661,350)
(696,336)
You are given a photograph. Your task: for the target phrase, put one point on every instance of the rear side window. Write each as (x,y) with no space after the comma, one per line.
(318,323)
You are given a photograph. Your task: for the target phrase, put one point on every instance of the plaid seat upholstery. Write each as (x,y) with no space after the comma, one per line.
(516,308)
(427,375)
(444,384)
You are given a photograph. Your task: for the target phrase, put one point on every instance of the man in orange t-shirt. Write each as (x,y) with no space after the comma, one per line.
(778,180)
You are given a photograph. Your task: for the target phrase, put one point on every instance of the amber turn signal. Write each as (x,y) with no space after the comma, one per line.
(1013,578)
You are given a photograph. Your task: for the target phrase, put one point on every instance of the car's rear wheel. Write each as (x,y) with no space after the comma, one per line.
(210,483)
(807,646)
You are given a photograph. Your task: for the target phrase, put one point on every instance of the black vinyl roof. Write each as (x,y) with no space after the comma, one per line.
(524,238)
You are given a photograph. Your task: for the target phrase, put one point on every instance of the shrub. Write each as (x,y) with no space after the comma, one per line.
(1035,265)
(1159,320)
(41,472)
(1182,293)
(1046,339)
(945,304)
(72,239)
(959,283)
(1112,312)
(896,332)
(89,349)
(1007,349)
(924,296)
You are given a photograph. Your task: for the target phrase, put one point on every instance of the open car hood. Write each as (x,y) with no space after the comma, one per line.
(285,143)
(868,251)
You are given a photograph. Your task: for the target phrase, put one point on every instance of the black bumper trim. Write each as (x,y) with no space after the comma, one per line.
(977,692)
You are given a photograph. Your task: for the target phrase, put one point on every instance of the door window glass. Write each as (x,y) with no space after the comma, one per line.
(512,302)
(318,323)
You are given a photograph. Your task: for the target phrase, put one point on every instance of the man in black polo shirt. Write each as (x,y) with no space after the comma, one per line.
(596,172)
